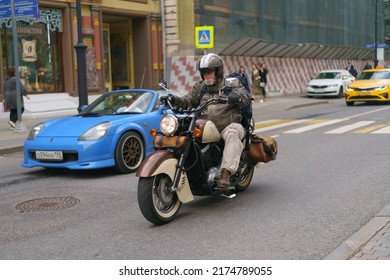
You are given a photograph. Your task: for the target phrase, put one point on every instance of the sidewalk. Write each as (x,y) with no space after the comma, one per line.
(371,242)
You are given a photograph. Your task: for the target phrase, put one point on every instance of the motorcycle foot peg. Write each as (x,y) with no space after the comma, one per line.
(233,195)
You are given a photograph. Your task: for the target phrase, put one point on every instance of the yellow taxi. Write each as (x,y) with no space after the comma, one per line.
(370,85)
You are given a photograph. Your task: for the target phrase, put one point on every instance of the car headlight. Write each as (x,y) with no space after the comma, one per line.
(35,131)
(349,89)
(169,125)
(96,133)
(383,87)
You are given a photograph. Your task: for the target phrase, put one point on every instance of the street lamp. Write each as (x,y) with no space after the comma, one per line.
(81,61)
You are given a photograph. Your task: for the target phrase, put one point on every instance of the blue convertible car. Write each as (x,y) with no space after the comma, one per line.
(113,131)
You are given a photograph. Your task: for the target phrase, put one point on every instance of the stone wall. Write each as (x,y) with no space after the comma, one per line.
(285,75)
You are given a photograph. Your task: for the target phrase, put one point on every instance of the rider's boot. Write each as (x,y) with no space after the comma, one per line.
(224,180)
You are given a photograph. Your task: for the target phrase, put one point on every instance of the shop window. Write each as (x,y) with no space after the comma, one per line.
(40,60)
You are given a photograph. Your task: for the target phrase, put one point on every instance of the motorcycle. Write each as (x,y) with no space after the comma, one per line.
(187,162)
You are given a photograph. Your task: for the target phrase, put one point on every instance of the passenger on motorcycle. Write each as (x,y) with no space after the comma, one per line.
(227,117)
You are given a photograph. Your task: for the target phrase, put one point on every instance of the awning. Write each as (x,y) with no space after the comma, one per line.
(259,48)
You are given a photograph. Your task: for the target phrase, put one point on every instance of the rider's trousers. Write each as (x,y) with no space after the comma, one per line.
(232,135)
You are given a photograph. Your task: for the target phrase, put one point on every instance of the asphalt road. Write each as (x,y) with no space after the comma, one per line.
(321,189)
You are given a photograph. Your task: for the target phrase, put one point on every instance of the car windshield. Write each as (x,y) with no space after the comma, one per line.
(121,102)
(378,75)
(328,75)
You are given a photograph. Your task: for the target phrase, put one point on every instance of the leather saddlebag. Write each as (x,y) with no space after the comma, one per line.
(262,148)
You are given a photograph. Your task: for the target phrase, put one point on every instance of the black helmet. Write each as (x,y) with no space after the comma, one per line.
(211,62)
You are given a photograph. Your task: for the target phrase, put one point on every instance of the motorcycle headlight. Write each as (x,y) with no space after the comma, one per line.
(96,133)
(169,125)
(35,131)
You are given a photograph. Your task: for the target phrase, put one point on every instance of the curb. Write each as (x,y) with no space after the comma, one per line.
(11,150)
(352,245)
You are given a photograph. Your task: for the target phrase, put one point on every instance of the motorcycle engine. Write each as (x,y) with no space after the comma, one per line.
(212,156)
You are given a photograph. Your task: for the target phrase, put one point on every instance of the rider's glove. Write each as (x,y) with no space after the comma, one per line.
(227,90)
(233,98)
(169,97)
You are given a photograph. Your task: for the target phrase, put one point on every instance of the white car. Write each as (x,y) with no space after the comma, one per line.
(329,83)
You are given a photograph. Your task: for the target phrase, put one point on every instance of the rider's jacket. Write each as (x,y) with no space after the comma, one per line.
(220,114)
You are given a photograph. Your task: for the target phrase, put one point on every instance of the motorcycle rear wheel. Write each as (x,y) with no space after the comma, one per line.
(158,204)
(246,176)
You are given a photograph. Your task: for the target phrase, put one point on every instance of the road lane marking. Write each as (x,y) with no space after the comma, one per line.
(349,127)
(369,112)
(369,129)
(279,124)
(384,130)
(314,126)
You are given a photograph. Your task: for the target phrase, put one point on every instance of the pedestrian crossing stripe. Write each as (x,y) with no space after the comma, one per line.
(349,127)
(306,125)
(369,129)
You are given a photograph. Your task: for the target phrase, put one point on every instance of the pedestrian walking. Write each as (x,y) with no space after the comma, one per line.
(242,72)
(10,96)
(255,88)
(367,66)
(263,80)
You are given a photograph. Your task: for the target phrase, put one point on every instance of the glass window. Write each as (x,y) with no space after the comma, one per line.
(39,52)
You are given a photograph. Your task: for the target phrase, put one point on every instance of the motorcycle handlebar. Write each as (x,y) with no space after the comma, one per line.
(220,99)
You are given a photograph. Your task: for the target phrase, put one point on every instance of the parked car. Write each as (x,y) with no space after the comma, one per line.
(329,83)
(105,134)
(370,85)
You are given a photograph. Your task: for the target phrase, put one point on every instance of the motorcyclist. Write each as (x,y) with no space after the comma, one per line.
(227,117)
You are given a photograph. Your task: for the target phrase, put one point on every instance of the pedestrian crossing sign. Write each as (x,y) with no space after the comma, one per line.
(204,37)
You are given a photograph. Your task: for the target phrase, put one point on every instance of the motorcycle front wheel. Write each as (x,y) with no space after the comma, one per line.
(158,204)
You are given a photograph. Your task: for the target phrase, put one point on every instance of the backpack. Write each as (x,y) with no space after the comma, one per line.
(241,78)
(246,112)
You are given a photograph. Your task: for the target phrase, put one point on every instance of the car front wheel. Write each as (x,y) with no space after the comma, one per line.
(129,152)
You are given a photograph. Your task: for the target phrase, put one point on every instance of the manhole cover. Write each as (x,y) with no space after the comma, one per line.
(47,204)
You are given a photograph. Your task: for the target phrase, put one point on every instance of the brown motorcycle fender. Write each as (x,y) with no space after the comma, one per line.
(163,161)
(150,164)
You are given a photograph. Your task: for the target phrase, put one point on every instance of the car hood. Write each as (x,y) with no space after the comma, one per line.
(368,83)
(75,126)
(324,82)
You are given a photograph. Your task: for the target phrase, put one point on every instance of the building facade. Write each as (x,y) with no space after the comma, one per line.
(136,43)
(344,27)
(123,39)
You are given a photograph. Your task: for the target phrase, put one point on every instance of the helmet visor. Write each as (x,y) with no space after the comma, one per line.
(206,70)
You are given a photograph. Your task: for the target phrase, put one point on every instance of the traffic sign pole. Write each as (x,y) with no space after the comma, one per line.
(20,127)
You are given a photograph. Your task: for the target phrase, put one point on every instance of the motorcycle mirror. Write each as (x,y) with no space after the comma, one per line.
(163,85)
(231,82)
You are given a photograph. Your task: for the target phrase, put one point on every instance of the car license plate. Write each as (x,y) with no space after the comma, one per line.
(49,155)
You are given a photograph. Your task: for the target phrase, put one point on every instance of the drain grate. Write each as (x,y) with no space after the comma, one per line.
(47,204)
